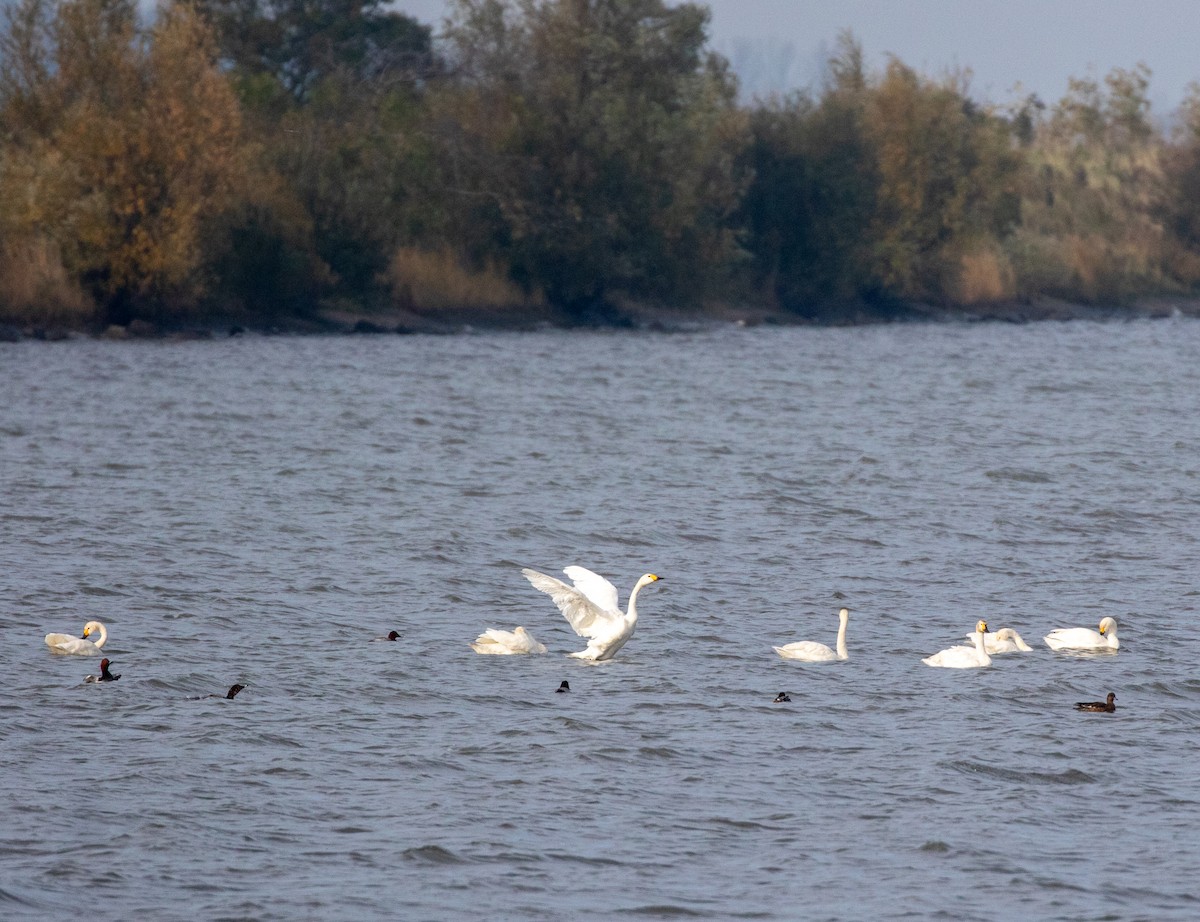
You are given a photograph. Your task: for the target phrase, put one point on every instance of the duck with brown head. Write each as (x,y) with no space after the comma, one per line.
(1107,706)
(105,675)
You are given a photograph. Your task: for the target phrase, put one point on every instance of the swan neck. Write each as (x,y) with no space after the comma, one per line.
(841,640)
(631,612)
(984,659)
(103,636)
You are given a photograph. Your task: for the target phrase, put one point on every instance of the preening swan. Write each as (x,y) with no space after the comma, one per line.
(961,657)
(1106,706)
(65,643)
(506,643)
(809,651)
(1084,638)
(105,675)
(591,608)
(1005,640)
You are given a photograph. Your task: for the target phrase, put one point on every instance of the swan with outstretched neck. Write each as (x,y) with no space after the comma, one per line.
(592,608)
(809,651)
(79,646)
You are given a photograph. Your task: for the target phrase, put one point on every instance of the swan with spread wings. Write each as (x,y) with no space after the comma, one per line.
(591,607)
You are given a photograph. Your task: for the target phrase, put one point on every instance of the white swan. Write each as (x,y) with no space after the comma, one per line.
(591,608)
(961,657)
(809,651)
(65,643)
(1084,638)
(505,643)
(1005,640)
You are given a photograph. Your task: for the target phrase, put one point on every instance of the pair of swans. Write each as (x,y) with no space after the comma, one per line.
(809,651)
(592,608)
(1005,640)
(984,645)
(79,646)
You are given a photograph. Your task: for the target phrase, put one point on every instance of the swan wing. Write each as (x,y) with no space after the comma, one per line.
(583,614)
(595,587)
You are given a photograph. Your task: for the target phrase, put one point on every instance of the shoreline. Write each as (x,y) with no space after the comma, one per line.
(344,321)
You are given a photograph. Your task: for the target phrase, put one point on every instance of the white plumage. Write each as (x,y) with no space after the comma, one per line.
(1005,640)
(591,608)
(1084,638)
(809,651)
(76,646)
(961,657)
(506,643)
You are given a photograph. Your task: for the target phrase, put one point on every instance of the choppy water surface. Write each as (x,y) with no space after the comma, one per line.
(256,510)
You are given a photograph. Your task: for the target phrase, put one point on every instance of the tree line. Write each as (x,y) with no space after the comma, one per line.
(270,159)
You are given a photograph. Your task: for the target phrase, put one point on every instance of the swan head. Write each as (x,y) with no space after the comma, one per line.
(981,626)
(844,613)
(1005,633)
(1108,625)
(647,580)
(90,628)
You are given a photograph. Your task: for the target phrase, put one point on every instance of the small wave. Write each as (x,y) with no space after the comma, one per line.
(1070,776)
(1017,475)
(7,896)
(431,854)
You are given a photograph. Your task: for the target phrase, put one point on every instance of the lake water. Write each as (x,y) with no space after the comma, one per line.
(256,510)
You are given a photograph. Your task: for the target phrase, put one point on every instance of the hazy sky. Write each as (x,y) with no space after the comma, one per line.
(779,44)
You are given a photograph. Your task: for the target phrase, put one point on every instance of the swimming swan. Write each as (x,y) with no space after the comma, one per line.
(1106,706)
(1005,640)
(105,675)
(809,651)
(591,608)
(506,643)
(961,657)
(1084,638)
(65,643)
